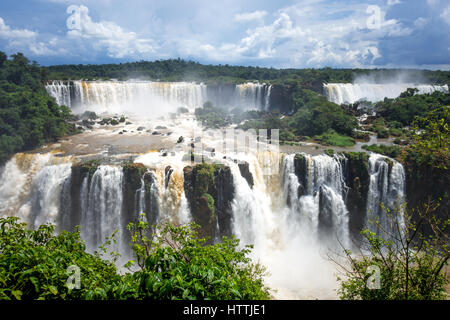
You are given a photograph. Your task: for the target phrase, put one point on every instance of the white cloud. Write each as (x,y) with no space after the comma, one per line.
(446,14)
(251,16)
(24,39)
(301,35)
(393,2)
(7,32)
(118,42)
(420,22)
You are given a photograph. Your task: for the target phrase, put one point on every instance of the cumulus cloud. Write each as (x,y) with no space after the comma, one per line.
(307,33)
(300,35)
(393,2)
(25,40)
(118,42)
(251,16)
(6,32)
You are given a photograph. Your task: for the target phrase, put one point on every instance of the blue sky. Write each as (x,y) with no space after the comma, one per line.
(281,34)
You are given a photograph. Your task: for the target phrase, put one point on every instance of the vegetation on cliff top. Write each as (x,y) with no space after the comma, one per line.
(182,70)
(29,117)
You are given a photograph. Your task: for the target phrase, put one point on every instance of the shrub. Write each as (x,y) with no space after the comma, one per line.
(410,265)
(390,151)
(33,265)
(176,264)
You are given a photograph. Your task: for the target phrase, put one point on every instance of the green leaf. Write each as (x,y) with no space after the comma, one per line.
(53,290)
(17,294)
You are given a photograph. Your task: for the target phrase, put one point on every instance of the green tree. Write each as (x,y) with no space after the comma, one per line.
(175,264)
(410,264)
(431,140)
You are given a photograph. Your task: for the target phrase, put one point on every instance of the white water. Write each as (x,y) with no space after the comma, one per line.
(104,207)
(142,97)
(387,189)
(292,238)
(287,239)
(351,92)
(60,90)
(252,96)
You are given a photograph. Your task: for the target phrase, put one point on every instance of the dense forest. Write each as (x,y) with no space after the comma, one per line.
(28,115)
(181,70)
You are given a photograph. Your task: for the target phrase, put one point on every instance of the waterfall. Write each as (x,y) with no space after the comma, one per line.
(104,207)
(351,92)
(31,185)
(140,197)
(252,96)
(386,187)
(267,98)
(320,204)
(60,90)
(46,190)
(293,216)
(141,96)
(284,225)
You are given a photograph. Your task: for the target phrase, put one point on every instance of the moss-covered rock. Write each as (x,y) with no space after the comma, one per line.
(356,172)
(209,189)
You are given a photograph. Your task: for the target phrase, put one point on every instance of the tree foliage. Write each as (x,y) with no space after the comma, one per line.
(410,264)
(176,264)
(409,105)
(28,115)
(431,140)
(172,263)
(182,70)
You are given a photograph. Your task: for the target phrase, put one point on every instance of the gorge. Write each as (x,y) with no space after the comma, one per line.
(307,205)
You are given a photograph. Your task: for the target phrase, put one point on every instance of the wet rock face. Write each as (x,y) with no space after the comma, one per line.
(210,190)
(281,97)
(355,166)
(300,167)
(72,214)
(132,175)
(357,180)
(245,173)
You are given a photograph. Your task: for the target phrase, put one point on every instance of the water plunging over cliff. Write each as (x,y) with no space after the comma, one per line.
(141,97)
(351,92)
(292,217)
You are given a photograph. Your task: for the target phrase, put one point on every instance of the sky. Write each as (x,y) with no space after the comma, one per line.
(279,34)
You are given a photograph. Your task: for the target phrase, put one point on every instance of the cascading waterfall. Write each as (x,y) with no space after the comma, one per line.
(60,90)
(292,219)
(140,96)
(31,182)
(320,203)
(45,194)
(386,194)
(104,208)
(140,197)
(286,234)
(352,92)
(253,96)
